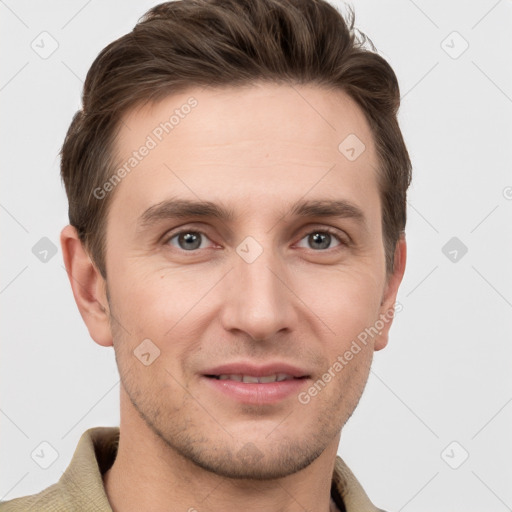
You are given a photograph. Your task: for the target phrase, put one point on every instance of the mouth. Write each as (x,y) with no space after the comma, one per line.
(256,385)
(253,379)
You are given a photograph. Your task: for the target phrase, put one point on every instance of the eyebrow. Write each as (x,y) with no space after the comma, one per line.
(175,208)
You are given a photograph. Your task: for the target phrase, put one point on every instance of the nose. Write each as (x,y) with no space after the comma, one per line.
(260,301)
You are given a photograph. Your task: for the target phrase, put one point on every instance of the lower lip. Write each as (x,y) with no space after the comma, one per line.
(257,393)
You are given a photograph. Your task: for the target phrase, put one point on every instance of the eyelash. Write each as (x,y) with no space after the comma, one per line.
(330,231)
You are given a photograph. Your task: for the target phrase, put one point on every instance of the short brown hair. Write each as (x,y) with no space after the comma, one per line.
(180,44)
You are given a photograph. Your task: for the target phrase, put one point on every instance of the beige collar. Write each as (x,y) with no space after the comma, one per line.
(350,490)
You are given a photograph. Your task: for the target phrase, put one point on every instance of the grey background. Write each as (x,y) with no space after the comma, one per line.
(445,375)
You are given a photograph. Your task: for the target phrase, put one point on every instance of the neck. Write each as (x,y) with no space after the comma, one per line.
(172,483)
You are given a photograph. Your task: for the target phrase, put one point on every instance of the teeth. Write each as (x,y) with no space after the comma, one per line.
(269,378)
(250,379)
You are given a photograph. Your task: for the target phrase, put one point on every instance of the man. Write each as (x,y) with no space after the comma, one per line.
(237,193)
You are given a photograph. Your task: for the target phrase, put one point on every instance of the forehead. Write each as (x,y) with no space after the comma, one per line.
(245,142)
(214,116)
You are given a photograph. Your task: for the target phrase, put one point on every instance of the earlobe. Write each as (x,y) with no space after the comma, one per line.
(387,310)
(88,286)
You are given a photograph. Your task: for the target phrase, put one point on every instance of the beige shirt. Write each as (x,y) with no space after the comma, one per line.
(80,488)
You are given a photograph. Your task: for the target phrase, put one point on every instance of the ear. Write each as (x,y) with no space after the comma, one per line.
(88,285)
(387,309)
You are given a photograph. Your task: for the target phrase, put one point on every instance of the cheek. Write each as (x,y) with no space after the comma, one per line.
(346,300)
(159,303)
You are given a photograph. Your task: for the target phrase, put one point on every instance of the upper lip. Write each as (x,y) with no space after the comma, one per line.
(245,368)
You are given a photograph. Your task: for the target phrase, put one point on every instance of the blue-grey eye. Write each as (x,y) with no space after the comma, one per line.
(320,240)
(188,240)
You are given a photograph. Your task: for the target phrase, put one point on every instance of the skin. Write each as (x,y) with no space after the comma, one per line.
(255,150)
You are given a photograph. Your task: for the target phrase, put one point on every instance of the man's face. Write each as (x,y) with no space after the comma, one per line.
(266,291)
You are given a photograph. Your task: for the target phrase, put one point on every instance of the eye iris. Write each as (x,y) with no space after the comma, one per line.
(192,240)
(323,239)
